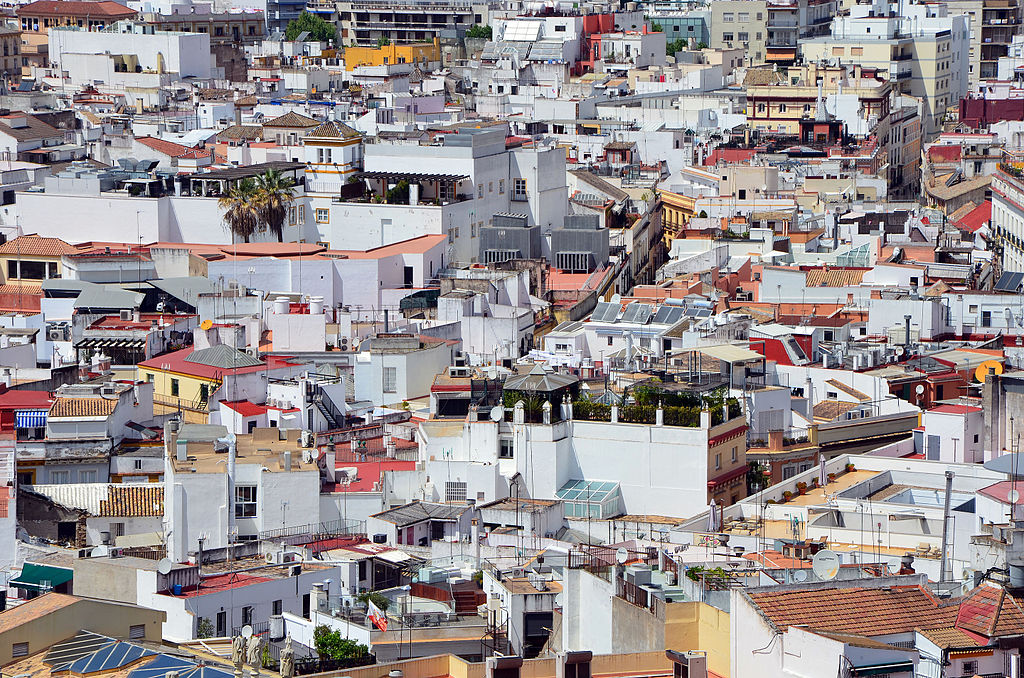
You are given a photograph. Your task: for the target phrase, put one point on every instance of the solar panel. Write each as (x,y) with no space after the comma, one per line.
(1009,282)
(605,312)
(82,644)
(637,313)
(159,667)
(668,315)
(110,658)
(525,31)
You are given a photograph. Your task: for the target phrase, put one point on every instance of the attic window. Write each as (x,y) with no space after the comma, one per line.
(19,650)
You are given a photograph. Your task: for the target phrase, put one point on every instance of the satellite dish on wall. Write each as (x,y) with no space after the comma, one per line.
(800,576)
(164,566)
(621,555)
(247,631)
(919,390)
(206,324)
(983,369)
(497,413)
(1013,496)
(825,564)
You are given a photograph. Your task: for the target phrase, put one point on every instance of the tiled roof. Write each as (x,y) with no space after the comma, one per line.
(848,390)
(834,277)
(870,612)
(168,148)
(991,612)
(37,246)
(34,609)
(761,76)
(20,297)
(82,407)
(238,132)
(944,153)
(292,119)
(104,8)
(332,130)
(134,500)
(947,638)
(828,410)
(33,129)
(976,218)
(194,154)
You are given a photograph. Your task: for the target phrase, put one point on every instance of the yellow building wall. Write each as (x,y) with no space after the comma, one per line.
(698,626)
(23,259)
(392,54)
(189,387)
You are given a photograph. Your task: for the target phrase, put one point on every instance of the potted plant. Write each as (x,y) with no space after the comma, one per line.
(801,487)
(787,495)
(831,477)
(850,468)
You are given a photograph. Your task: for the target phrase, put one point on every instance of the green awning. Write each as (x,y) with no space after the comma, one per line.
(42,577)
(882,669)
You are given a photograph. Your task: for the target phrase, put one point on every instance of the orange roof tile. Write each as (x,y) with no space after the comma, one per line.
(33,609)
(37,246)
(990,611)
(834,277)
(82,407)
(24,297)
(864,611)
(133,500)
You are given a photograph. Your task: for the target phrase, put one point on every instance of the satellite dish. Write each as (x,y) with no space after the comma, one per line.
(800,576)
(497,413)
(919,390)
(1013,496)
(247,631)
(825,564)
(206,324)
(900,350)
(164,566)
(621,555)
(983,369)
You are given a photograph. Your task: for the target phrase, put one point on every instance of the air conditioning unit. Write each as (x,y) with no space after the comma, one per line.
(275,558)
(344,344)
(116,553)
(55,335)
(126,314)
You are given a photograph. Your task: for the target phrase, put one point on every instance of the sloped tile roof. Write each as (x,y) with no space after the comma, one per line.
(82,407)
(37,246)
(106,8)
(828,410)
(223,356)
(20,297)
(169,148)
(870,612)
(292,119)
(834,277)
(332,130)
(34,128)
(134,500)
(947,638)
(237,132)
(990,611)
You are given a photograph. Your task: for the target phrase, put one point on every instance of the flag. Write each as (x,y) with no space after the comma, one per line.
(376,616)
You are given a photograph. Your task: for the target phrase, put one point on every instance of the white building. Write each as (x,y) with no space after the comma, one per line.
(392,368)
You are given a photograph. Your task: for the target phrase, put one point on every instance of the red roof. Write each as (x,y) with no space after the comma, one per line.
(369,472)
(20,298)
(24,400)
(977,217)
(223,582)
(955,409)
(1001,492)
(103,8)
(991,612)
(245,407)
(731,155)
(163,146)
(944,153)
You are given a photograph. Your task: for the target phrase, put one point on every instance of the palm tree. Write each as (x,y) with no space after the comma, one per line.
(273,196)
(241,209)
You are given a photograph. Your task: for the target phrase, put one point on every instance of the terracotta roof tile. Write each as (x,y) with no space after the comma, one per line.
(238,132)
(34,609)
(134,500)
(870,612)
(828,410)
(834,277)
(37,246)
(20,297)
(292,119)
(104,8)
(947,638)
(169,148)
(82,407)
(990,611)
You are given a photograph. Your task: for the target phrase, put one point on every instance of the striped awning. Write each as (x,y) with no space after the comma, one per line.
(30,418)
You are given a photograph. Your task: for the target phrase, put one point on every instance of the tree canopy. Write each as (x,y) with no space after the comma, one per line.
(319,30)
(479,31)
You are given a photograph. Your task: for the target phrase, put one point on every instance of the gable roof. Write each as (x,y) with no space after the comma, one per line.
(169,148)
(82,407)
(599,184)
(976,218)
(292,119)
(863,611)
(33,609)
(237,132)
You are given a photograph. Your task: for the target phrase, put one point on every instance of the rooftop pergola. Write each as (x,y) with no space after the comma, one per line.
(218,182)
(445,187)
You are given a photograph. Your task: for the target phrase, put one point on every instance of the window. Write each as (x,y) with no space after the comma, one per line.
(560,29)
(19,650)
(293,215)
(138,464)
(743,17)
(856,51)
(975,437)
(743,36)
(174,388)
(501,187)
(322,215)
(245,501)
(973,308)
(60,477)
(247,615)
(718,461)
(727,37)
(116,529)
(87,476)
(276,607)
(611,341)
(519,189)
(728,17)
(455,492)
(480,190)
(970,668)
(390,379)
(505,448)
(137,632)
(986,318)
(735,453)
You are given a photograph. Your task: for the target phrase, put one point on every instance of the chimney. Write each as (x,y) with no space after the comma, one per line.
(286,461)
(171,428)
(574,664)
(318,598)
